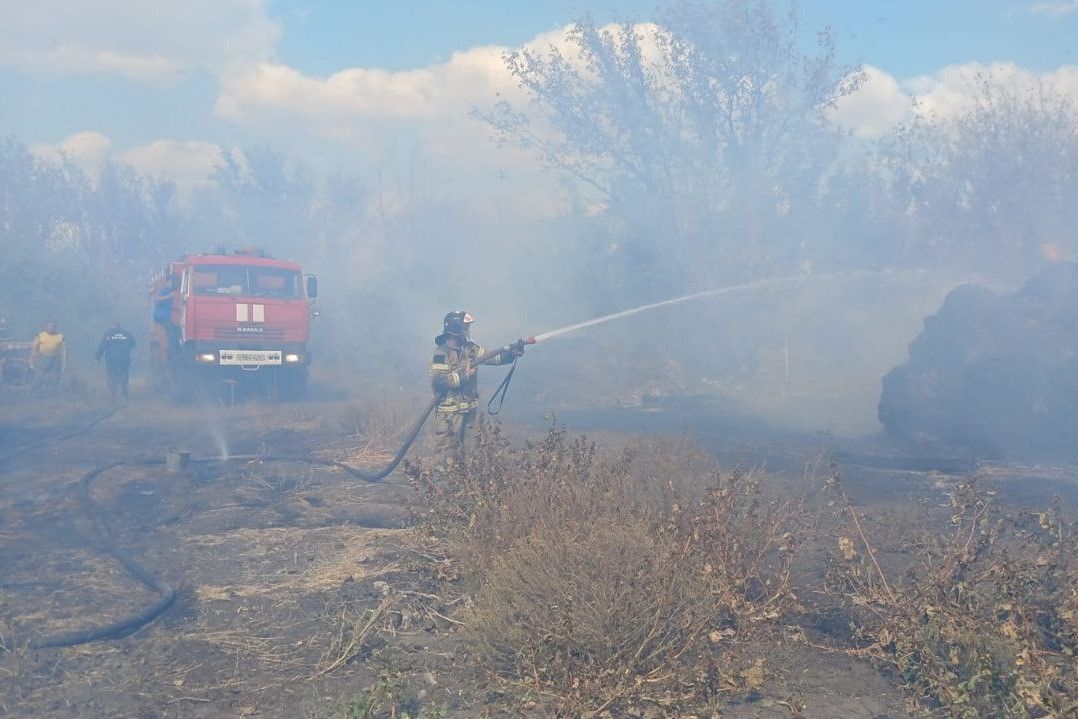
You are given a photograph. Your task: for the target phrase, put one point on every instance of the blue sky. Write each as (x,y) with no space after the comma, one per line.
(166,84)
(904,38)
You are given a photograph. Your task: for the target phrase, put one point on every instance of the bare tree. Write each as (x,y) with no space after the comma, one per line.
(77,250)
(703,136)
(991,189)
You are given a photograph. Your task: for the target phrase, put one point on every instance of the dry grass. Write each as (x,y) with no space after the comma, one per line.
(88,588)
(635,582)
(368,456)
(353,631)
(377,425)
(16,669)
(984,620)
(614,581)
(249,647)
(273,564)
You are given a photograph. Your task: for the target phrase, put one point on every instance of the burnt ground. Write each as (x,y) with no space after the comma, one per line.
(281,566)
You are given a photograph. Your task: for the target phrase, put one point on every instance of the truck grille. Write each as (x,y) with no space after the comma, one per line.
(267,333)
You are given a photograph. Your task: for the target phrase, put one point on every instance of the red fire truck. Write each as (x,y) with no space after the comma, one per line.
(238,319)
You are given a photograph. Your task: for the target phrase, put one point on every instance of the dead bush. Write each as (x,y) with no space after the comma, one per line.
(376,425)
(984,621)
(611,580)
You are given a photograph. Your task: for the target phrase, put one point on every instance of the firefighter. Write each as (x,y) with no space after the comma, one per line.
(116,348)
(49,354)
(453,376)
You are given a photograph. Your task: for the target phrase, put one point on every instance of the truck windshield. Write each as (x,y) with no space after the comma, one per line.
(245,281)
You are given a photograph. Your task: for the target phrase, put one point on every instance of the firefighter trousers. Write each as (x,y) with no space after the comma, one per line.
(450,428)
(117,374)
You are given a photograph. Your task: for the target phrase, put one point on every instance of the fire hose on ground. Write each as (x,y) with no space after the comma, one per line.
(83,429)
(166,594)
(413,432)
(101,537)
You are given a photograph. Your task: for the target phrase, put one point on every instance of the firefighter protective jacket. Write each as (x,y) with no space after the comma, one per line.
(449,377)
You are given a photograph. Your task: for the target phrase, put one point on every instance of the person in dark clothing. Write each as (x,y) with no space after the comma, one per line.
(116,348)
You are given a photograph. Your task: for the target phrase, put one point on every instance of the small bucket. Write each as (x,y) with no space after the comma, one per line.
(176,460)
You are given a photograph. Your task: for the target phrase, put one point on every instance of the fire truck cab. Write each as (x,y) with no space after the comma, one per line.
(241,318)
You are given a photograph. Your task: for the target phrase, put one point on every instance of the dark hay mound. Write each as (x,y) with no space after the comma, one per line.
(994,373)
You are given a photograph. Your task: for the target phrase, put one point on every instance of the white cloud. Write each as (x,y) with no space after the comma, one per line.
(413,122)
(416,123)
(188,164)
(439,92)
(956,88)
(1058,8)
(953,89)
(89,151)
(396,117)
(877,106)
(80,60)
(445,92)
(145,40)
(348,93)
(885,101)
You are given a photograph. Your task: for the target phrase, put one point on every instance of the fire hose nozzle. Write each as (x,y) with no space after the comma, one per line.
(519,345)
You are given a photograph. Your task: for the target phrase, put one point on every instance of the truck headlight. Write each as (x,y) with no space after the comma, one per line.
(206,357)
(292,357)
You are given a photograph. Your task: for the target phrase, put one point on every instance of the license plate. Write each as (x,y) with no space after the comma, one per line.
(250,357)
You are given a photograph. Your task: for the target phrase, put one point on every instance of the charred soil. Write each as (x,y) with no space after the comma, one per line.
(302,592)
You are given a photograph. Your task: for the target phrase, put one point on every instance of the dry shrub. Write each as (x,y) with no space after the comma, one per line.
(615,580)
(984,621)
(377,423)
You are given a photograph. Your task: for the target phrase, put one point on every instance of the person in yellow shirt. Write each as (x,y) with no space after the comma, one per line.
(49,354)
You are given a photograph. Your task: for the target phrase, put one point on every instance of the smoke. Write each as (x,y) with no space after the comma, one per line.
(694,151)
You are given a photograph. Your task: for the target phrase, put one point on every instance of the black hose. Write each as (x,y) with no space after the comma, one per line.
(127,625)
(371,477)
(167,595)
(500,393)
(416,427)
(60,437)
(385,471)
(102,541)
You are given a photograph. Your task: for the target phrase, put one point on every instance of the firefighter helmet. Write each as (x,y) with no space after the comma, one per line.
(456,323)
